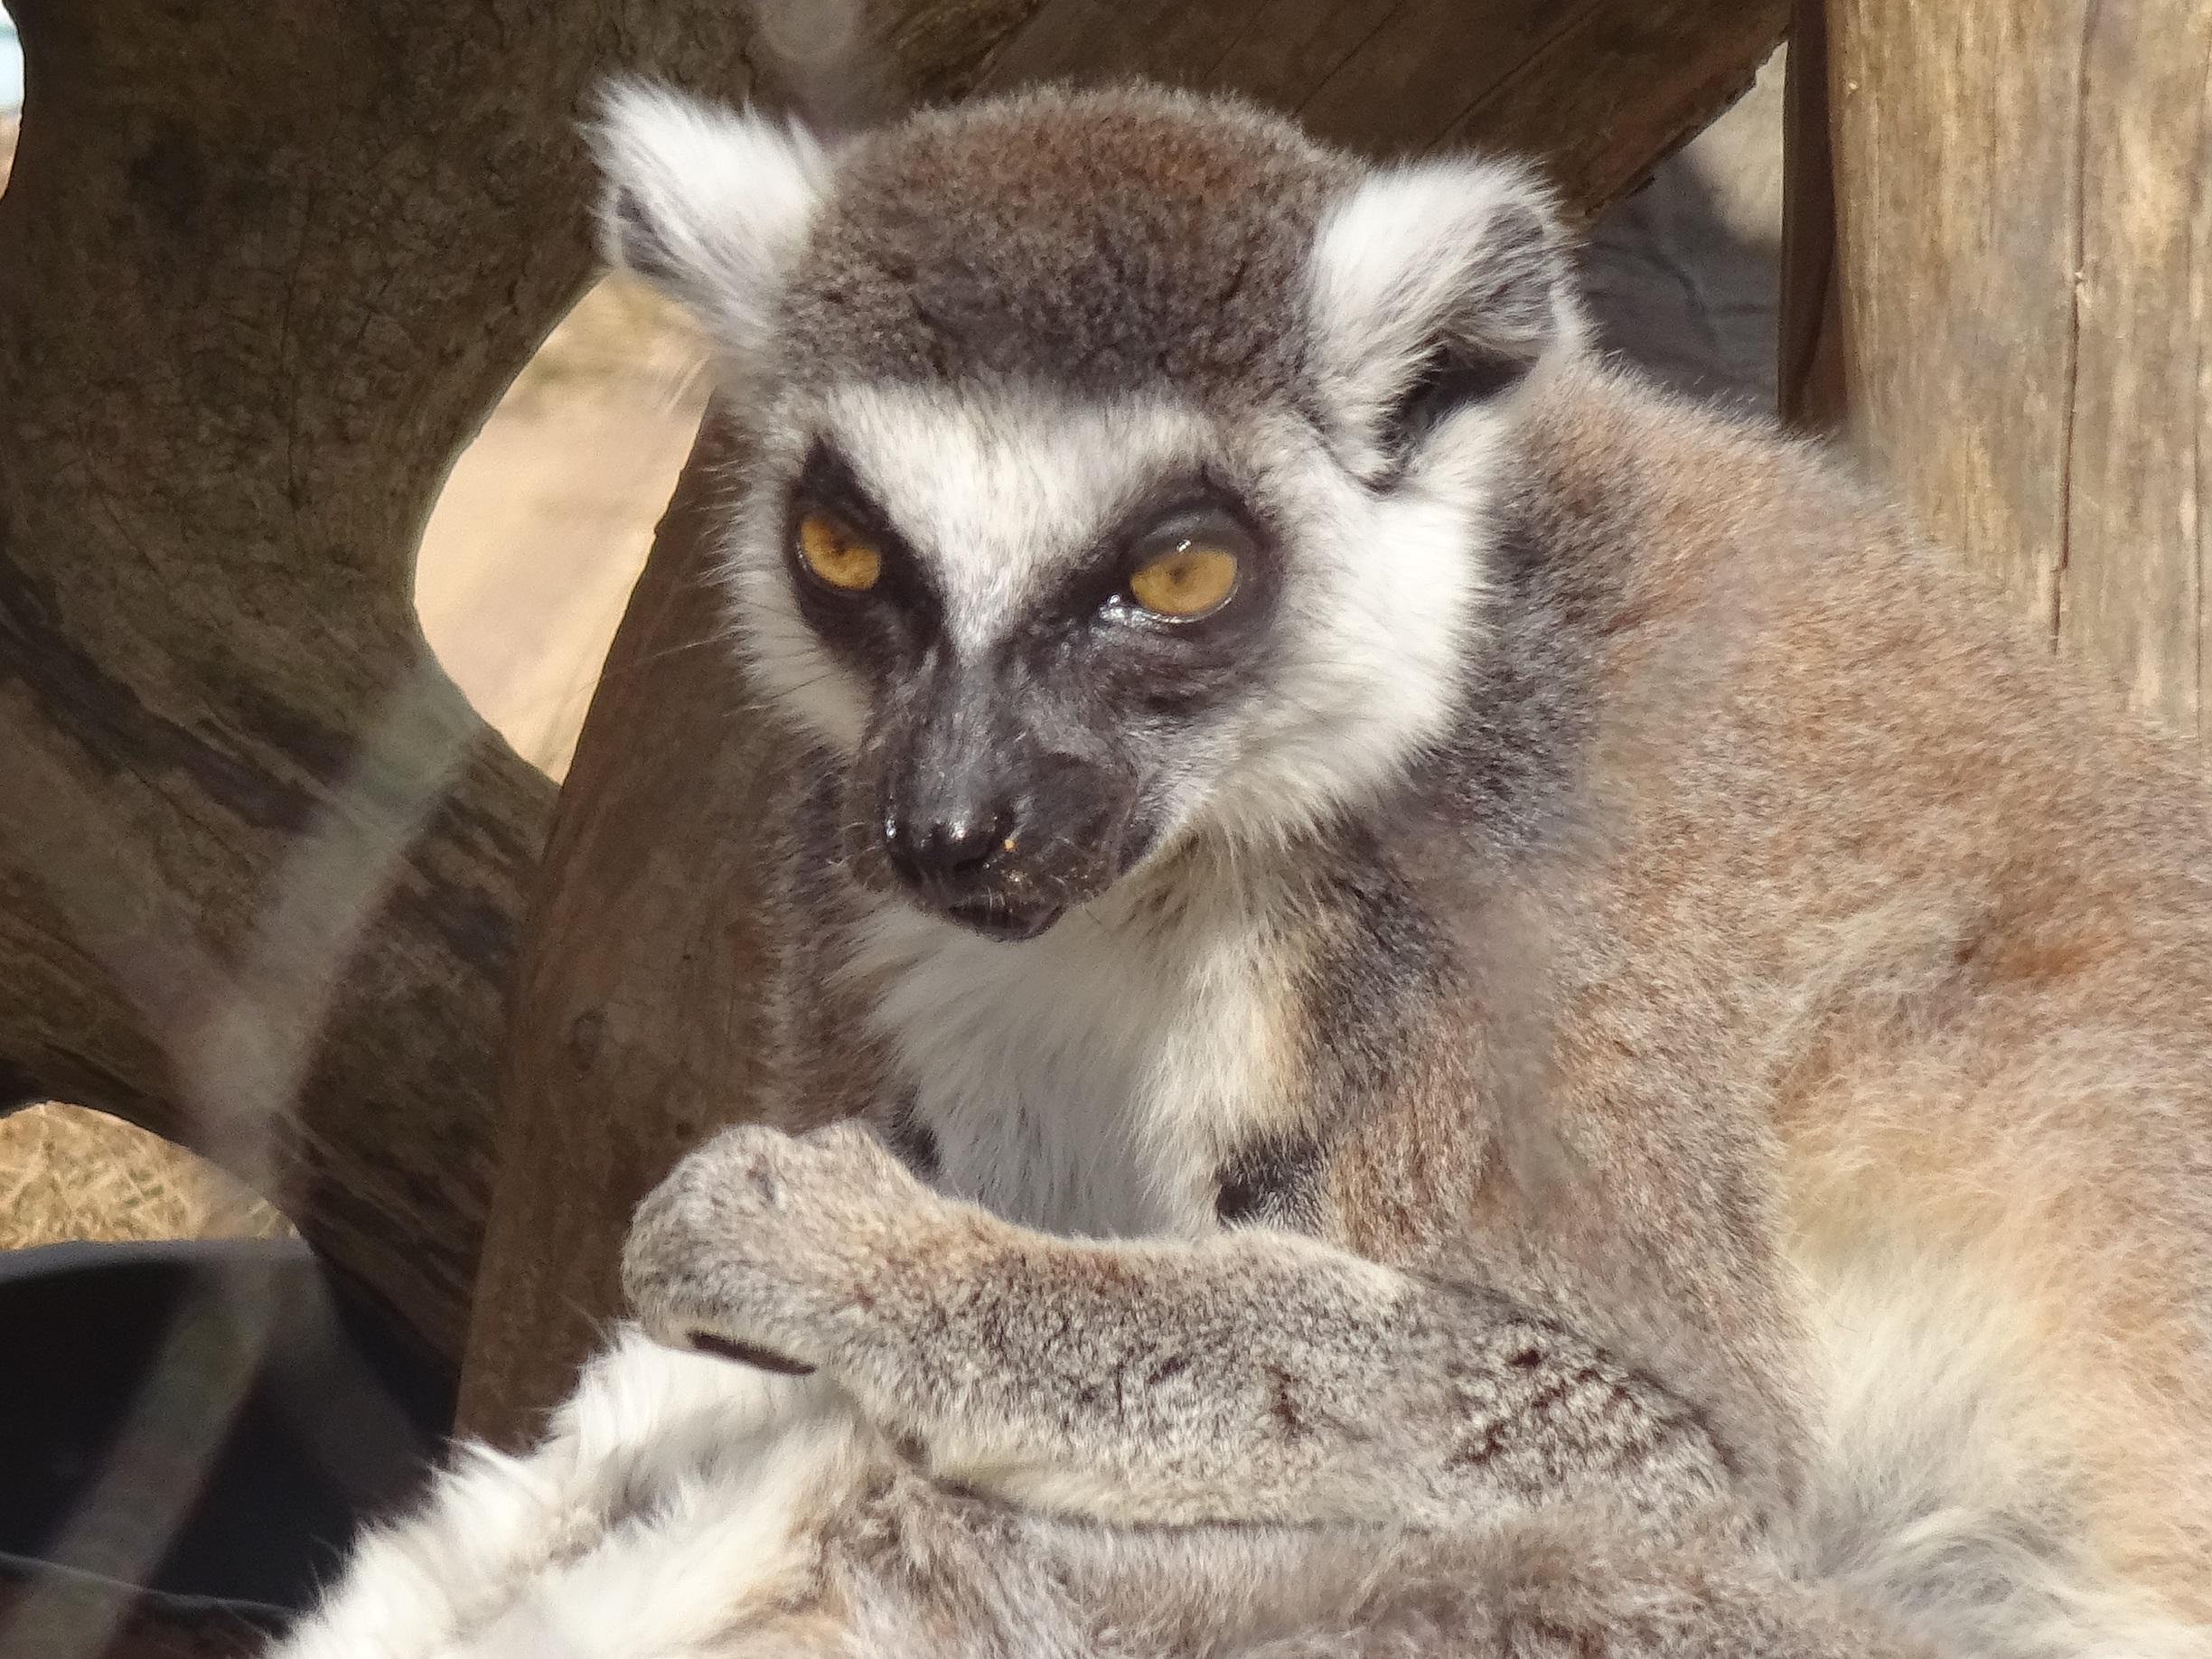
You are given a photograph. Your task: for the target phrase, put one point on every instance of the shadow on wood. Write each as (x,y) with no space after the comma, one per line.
(263,271)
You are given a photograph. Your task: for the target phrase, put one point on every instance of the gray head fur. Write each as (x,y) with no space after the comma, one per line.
(1022,345)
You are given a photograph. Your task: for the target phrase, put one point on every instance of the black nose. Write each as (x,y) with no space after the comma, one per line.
(948,855)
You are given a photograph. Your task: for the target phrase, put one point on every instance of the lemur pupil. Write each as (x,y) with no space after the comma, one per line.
(1191,581)
(838,555)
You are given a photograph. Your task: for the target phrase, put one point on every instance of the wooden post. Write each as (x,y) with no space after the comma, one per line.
(2006,314)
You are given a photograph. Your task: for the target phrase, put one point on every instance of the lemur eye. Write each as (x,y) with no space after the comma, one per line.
(1193,578)
(837,554)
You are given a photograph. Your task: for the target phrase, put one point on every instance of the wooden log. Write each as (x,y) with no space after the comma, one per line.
(249,308)
(263,270)
(2006,314)
(1600,90)
(633,1024)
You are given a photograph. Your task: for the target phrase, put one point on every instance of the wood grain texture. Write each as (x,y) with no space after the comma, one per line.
(1599,90)
(249,307)
(634,1022)
(263,271)
(634,1026)
(2014,336)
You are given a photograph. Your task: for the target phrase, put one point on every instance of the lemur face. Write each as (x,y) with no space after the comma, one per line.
(1120,463)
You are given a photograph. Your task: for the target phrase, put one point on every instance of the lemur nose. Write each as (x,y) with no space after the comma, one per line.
(948,852)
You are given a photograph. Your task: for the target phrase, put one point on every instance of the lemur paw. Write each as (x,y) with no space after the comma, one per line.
(764,1247)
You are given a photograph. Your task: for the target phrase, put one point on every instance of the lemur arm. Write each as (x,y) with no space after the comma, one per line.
(1567,1583)
(1247,1376)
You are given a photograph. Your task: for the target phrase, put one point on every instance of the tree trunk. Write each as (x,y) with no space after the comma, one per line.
(2006,314)
(633,1026)
(264,269)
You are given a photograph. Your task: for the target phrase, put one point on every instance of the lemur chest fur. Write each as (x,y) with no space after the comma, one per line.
(1092,1081)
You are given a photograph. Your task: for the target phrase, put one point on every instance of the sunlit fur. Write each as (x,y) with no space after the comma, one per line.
(717,207)
(682,1508)
(1092,1082)
(1374,306)
(1646,879)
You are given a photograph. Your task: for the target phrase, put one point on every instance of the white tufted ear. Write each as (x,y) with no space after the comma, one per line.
(1434,285)
(707,204)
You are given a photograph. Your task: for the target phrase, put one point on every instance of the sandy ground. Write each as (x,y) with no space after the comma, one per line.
(544,522)
(546,519)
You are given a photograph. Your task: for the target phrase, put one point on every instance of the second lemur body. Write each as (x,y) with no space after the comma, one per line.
(1533,1033)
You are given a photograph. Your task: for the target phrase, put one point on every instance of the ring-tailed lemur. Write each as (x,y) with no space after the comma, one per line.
(1532,1034)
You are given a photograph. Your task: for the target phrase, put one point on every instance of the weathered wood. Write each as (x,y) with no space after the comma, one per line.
(2020,298)
(263,270)
(634,1026)
(249,307)
(1601,89)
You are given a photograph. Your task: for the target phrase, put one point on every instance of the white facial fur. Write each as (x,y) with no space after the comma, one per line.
(995,484)
(998,489)
(1383,604)
(1456,247)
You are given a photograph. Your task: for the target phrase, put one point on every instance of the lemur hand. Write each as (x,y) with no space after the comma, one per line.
(767,1247)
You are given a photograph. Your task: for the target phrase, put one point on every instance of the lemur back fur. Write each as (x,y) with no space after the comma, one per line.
(1632,1075)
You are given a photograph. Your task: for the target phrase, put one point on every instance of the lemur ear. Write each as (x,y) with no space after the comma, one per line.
(707,204)
(1434,285)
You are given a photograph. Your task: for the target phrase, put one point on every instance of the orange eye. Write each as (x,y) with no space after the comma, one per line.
(835,554)
(1192,580)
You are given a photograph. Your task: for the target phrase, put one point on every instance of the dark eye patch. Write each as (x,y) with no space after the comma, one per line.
(827,483)
(1084,636)
(1178,504)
